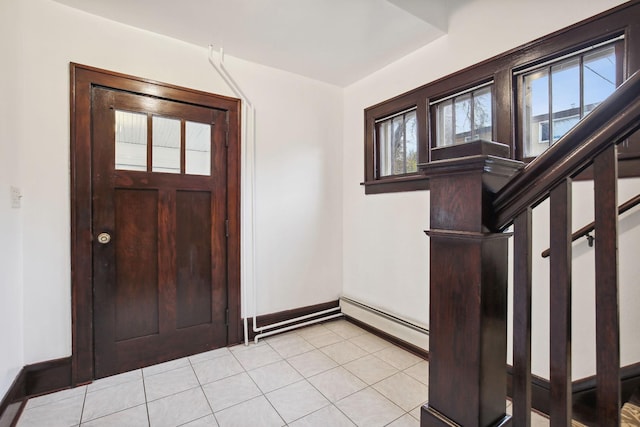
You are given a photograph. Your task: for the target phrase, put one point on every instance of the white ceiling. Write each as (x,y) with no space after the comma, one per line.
(335,41)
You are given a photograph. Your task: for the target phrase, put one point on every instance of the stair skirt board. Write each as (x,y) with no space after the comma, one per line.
(391,324)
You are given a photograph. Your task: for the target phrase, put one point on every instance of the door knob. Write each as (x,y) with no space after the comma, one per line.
(104,238)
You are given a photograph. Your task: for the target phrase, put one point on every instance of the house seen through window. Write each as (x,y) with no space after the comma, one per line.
(558,94)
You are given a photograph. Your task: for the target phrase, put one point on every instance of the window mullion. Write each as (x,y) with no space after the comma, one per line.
(581,69)
(404,142)
(453,120)
(550,88)
(472,120)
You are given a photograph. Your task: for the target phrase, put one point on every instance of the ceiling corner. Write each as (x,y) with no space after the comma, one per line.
(433,12)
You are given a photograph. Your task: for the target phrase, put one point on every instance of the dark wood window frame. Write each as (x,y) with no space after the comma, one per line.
(622,20)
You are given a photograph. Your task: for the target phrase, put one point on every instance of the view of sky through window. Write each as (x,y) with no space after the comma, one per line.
(555,100)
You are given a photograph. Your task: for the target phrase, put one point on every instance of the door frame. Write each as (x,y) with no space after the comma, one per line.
(83,79)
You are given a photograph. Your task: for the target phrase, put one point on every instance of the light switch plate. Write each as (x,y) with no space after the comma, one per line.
(15,197)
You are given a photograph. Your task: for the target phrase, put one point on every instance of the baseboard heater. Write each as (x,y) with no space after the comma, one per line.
(391,324)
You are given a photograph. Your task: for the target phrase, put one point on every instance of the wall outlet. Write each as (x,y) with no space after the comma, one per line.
(15,197)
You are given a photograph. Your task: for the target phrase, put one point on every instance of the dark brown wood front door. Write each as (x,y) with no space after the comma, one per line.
(159,221)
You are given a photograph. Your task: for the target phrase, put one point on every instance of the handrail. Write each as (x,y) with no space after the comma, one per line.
(584,231)
(613,120)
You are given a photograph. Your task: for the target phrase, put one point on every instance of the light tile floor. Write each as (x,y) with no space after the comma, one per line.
(333,374)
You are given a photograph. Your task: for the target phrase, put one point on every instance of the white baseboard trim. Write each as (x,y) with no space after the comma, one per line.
(391,324)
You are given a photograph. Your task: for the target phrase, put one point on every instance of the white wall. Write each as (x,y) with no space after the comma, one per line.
(583,278)
(312,217)
(385,252)
(299,157)
(11,332)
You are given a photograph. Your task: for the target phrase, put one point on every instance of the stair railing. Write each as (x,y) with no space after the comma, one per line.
(474,200)
(593,142)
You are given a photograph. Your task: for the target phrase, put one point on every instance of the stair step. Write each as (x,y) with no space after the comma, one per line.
(630,415)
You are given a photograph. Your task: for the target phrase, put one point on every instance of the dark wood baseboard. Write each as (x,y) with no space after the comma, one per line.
(11,404)
(583,391)
(34,380)
(281,316)
(418,351)
(46,377)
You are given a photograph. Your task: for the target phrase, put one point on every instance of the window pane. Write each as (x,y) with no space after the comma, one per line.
(385,136)
(565,95)
(397,139)
(536,112)
(166,145)
(463,118)
(482,115)
(565,81)
(198,148)
(398,145)
(445,124)
(599,76)
(563,125)
(131,141)
(411,136)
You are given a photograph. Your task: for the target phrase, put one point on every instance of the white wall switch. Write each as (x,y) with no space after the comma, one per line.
(15,197)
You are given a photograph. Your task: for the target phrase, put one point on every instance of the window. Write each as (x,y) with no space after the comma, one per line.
(172,139)
(558,94)
(464,117)
(397,144)
(526,98)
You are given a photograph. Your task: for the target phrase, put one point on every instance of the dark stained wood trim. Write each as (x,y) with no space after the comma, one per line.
(613,120)
(281,316)
(583,392)
(10,414)
(47,377)
(418,351)
(621,20)
(522,285)
(33,380)
(396,184)
(83,79)
(12,403)
(560,305)
(607,295)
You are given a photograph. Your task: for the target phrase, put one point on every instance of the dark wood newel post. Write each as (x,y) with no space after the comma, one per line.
(468,288)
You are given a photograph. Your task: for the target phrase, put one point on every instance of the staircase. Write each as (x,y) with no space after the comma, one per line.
(474,200)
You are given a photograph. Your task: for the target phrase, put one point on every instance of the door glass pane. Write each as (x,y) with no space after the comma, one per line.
(482,118)
(599,74)
(198,148)
(536,113)
(166,145)
(445,124)
(131,141)
(463,118)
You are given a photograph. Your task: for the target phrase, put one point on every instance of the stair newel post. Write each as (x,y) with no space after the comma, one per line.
(468,287)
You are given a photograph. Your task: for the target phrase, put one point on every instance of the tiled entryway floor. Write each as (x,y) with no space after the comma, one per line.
(329,375)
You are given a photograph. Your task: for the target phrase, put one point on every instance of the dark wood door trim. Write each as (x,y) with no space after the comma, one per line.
(83,79)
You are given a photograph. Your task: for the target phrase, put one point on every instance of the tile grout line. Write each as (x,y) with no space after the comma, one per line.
(146,401)
(370,386)
(205,394)
(84,400)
